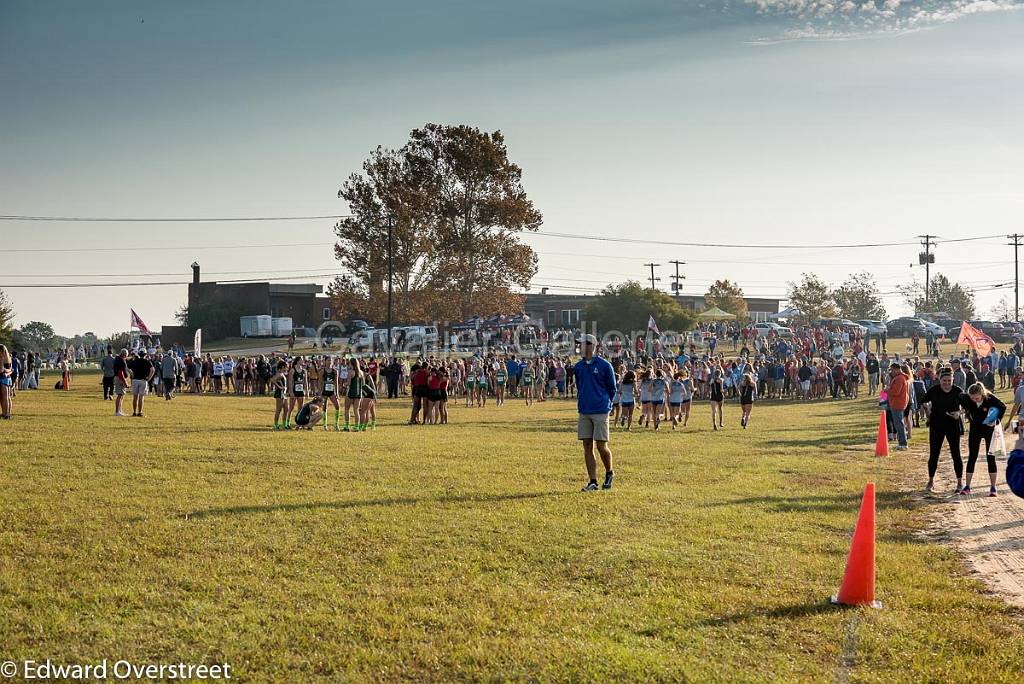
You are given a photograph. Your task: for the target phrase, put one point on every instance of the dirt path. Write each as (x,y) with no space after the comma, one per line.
(989,532)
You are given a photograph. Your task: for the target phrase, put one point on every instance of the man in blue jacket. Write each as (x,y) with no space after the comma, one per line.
(1015,468)
(595,388)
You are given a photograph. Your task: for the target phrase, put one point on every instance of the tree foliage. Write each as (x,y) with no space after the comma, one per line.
(36,336)
(6,320)
(858,298)
(1002,310)
(458,206)
(727,296)
(122,340)
(944,296)
(626,307)
(813,297)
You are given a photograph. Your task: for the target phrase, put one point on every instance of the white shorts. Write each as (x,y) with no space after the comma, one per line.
(139,388)
(805,385)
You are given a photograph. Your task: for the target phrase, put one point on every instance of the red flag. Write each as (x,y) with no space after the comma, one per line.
(137,323)
(975,338)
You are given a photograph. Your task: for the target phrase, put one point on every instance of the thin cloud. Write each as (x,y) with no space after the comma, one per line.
(851,19)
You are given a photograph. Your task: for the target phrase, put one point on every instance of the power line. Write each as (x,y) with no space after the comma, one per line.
(150,248)
(173,282)
(176,219)
(736,246)
(311,272)
(599,238)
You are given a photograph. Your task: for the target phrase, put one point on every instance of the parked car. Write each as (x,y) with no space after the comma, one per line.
(423,335)
(994,330)
(873,327)
(766,328)
(369,340)
(934,328)
(356,325)
(906,326)
(852,325)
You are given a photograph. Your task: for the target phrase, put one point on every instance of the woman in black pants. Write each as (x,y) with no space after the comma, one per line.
(977,403)
(944,425)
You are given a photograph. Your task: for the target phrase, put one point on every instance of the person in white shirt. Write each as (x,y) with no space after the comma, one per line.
(218,375)
(229,369)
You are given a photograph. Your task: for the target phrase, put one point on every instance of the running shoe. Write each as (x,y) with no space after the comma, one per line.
(966,491)
(591,486)
(992,491)
(609,476)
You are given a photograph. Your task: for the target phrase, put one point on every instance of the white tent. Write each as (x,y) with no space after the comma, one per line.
(787,313)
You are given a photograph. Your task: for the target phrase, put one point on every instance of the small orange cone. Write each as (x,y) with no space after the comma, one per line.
(882,442)
(858,588)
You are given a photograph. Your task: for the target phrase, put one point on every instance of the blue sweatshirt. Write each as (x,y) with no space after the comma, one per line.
(1015,472)
(595,386)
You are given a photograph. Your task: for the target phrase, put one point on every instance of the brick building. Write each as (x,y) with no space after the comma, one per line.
(303,303)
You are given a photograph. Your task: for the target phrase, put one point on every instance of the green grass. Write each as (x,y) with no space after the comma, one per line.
(466,552)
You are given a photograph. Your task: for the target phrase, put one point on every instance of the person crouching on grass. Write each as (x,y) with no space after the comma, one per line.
(595,383)
(310,414)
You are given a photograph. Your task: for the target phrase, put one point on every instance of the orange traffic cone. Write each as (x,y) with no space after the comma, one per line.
(882,442)
(858,588)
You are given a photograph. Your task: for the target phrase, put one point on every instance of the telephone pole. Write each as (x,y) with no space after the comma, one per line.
(926,259)
(653,279)
(1016,274)
(676,285)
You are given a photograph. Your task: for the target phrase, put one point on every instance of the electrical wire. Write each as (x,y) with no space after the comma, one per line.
(174,282)
(126,219)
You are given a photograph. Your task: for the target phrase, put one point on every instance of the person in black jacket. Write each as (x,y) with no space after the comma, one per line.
(977,403)
(944,424)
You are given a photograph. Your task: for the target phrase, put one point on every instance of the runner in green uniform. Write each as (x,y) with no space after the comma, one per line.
(368,404)
(297,385)
(481,386)
(470,386)
(330,393)
(279,385)
(528,382)
(354,393)
(500,378)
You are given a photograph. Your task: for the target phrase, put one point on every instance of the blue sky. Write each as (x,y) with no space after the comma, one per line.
(800,121)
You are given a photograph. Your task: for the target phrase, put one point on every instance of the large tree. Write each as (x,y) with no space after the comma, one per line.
(944,296)
(36,335)
(727,296)
(627,307)
(858,298)
(813,297)
(458,206)
(6,318)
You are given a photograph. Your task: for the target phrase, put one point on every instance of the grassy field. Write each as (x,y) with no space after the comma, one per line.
(466,552)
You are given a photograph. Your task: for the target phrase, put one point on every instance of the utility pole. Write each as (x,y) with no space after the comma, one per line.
(926,259)
(1016,274)
(676,286)
(391,271)
(653,279)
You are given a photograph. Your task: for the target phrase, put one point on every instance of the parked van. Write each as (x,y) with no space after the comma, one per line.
(370,340)
(425,335)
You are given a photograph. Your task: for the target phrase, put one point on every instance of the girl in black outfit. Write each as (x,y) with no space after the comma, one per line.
(717,396)
(944,424)
(977,403)
(747,387)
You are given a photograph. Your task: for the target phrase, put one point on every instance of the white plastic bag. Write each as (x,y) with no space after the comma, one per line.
(998,441)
